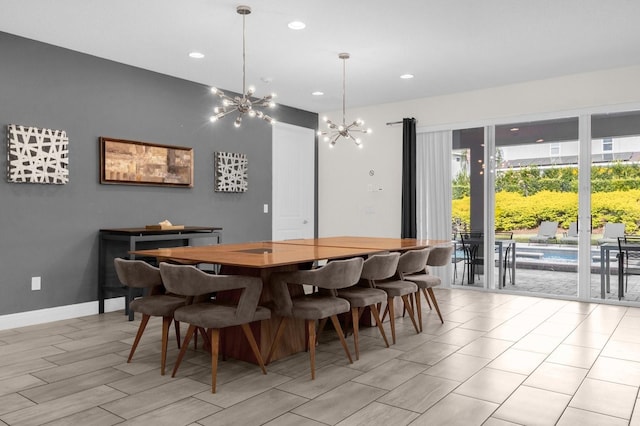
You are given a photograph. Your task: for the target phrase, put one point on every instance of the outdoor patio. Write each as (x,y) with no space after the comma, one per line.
(542,278)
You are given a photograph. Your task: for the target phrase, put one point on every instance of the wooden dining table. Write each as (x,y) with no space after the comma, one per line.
(262,259)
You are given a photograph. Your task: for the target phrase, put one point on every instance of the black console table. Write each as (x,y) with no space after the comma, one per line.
(108,283)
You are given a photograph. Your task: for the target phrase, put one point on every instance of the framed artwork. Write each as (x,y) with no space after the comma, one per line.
(143,163)
(230,172)
(37,155)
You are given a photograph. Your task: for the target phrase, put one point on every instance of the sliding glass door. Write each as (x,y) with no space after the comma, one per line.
(535,168)
(615,201)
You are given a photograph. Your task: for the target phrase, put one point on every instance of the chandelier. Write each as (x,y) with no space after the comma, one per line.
(344,130)
(245,104)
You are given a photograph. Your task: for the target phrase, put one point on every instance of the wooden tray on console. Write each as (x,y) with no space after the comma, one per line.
(159,227)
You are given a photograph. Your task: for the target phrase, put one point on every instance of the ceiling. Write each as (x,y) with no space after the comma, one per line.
(450,46)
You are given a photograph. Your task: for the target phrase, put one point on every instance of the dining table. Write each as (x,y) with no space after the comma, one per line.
(263,258)
(621,248)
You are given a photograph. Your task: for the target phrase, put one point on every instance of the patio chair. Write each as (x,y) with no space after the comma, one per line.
(612,231)
(628,257)
(546,232)
(473,256)
(571,236)
(506,256)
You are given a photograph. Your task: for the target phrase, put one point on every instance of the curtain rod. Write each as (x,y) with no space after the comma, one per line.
(393,123)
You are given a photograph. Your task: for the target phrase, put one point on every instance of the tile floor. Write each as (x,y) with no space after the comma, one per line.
(499,359)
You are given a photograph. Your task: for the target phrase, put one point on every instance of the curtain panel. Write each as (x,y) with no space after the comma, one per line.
(409,223)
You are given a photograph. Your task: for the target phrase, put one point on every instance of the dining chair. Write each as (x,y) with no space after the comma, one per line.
(412,262)
(506,255)
(438,256)
(328,279)
(360,297)
(380,270)
(189,281)
(471,247)
(629,257)
(141,275)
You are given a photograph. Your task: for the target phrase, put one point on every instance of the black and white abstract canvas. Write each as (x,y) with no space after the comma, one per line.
(37,155)
(230,172)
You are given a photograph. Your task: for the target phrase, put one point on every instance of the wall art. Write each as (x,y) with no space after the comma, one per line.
(230,172)
(143,163)
(37,155)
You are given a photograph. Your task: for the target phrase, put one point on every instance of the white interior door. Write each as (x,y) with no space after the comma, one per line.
(293,182)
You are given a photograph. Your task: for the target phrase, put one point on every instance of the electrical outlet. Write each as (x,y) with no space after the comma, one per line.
(36,283)
(266,208)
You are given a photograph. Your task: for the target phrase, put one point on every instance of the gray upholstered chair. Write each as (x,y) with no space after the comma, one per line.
(334,275)
(189,281)
(380,271)
(361,296)
(438,256)
(139,274)
(412,262)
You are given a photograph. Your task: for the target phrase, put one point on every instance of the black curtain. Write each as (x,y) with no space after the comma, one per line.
(409,222)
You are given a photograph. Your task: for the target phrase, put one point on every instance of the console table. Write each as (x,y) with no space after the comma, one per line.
(108,284)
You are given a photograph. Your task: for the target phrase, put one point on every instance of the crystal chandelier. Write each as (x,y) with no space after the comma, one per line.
(344,130)
(245,104)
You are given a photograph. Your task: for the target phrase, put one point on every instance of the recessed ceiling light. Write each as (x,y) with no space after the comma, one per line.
(317,93)
(406,76)
(196,55)
(296,25)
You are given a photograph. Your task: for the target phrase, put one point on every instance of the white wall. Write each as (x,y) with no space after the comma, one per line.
(346,207)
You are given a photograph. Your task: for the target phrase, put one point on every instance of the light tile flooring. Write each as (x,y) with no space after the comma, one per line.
(499,359)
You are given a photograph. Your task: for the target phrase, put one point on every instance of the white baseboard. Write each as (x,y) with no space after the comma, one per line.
(41,316)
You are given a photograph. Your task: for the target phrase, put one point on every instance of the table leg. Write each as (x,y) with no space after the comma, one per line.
(602,273)
(501,276)
(620,276)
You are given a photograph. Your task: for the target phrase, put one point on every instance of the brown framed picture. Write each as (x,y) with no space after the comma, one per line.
(143,163)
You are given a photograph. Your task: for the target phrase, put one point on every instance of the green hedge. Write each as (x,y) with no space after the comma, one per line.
(527,196)
(515,211)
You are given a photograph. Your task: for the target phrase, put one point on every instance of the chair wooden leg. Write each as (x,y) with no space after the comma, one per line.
(214,337)
(205,337)
(185,344)
(435,303)
(392,318)
(385,312)
(355,319)
(376,316)
(195,341)
(177,327)
(336,324)
(321,324)
(254,346)
(416,296)
(426,297)
(141,327)
(311,330)
(405,300)
(166,324)
(276,339)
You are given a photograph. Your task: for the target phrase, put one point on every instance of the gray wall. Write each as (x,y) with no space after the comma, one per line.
(52,230)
